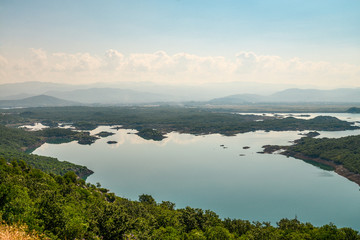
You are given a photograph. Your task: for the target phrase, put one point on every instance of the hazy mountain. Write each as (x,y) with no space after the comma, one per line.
(183,92)
(147,92)
(343,95)
(36,101)
(201,92)
(238,99)
(112,96)
(313,95)
(13,91)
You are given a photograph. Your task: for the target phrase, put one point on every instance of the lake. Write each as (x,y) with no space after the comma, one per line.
(216,172)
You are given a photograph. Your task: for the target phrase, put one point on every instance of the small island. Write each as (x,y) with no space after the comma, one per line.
(104,134)
(111,142)
(310,134)
(151,134)
(87,139)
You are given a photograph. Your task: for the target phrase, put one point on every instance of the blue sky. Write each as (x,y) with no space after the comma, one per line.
(314,31)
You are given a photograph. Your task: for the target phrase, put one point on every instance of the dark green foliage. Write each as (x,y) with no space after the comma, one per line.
(353,110)
(153,134)
(104,134)
(312,134)
(67,208)
(345,150)
(13,143)
(85,138)
(56,132)
(147,199)
(237,227)
(84,126)
(16,139)
(49,123)
(66,135)
(167,119)
(46,164)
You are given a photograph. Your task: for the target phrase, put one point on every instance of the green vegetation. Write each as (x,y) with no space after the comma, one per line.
(61,135)
(345,150)
(17,139)
(14,142)
(53,201)
(153,134)
(353,110)
(84,125)
(64,207)
(280,107)
(167,119)
(104,134)
(339,154)
(312,134)
(46,164)
(86,139)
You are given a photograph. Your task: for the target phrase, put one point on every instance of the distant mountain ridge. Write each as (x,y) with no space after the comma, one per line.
(149,93)
(17,91)
(85,94)
(37,101)
(295,95)
(171,92)
(111,96)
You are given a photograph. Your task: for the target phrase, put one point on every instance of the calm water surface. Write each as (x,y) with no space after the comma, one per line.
(197,171)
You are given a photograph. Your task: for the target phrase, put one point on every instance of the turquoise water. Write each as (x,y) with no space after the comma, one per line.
(234,182)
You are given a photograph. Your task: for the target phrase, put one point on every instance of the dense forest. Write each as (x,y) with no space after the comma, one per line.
(65,207)
(15,142)
(166,119)
(345,150)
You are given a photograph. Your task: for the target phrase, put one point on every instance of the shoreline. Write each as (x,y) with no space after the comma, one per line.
(338,168)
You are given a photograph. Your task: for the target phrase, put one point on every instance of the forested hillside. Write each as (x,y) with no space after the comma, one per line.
(14,142)
(345,150)
(64,207)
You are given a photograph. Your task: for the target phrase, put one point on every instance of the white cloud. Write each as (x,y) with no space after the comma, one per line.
(78,62)
(177,68)
(38,56)
(113,60)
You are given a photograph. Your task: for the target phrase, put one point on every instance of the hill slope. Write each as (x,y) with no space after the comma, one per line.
(345,95)
(68,208)
(109,96)
(37,101)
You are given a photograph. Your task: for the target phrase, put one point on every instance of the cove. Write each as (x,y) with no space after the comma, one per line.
(216,172)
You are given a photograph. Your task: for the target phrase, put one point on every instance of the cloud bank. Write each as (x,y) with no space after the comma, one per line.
(179,68)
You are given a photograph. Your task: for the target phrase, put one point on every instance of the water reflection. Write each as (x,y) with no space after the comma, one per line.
(234,182)
(34,127)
